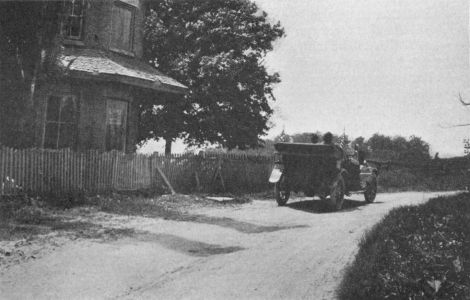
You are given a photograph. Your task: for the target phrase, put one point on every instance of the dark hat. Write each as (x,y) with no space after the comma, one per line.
(328,138)
(314,138)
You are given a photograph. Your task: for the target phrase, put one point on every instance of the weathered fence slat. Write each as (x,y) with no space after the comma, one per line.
(39,171)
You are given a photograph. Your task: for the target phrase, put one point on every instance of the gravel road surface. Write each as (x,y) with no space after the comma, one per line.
(251,251)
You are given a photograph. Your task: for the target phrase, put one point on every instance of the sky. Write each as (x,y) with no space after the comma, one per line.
(392,67)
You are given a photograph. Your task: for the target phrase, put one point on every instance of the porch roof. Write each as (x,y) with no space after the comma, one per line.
(100,65)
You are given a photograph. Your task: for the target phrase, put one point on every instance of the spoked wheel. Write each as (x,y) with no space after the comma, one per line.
(281,191)
(337,194)
(323,192)
(370,191)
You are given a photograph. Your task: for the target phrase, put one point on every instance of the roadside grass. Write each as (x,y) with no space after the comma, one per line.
(416,252)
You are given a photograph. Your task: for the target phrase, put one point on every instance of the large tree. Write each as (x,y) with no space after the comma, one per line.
(27,39)
(216,48)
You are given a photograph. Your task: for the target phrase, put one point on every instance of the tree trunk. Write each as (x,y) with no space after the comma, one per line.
(19,61)
(168,146)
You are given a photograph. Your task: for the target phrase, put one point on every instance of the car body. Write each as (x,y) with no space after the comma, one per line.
(327,171)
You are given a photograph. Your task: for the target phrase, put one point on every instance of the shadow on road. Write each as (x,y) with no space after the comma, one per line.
(240,226)
(186,246)
(318,207)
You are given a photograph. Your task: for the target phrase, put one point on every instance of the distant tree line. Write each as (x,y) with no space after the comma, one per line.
(380,146)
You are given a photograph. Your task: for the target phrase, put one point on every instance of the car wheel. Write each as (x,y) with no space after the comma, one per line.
(370,191)
(337,194)
(281,191)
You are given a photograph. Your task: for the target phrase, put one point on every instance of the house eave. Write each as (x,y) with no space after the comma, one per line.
(135,82)
(106,66)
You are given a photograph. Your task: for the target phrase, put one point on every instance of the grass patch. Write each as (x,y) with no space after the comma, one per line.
(416,252)
(26,217)
(167,206)
(19,219)
(22,221)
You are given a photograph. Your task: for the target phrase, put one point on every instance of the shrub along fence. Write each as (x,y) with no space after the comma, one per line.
(437,174)
(57,172)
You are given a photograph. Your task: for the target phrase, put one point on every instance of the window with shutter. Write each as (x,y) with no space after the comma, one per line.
(122,27)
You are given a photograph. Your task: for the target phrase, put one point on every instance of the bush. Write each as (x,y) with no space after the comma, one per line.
(405,179)
(399,179)
(418,252)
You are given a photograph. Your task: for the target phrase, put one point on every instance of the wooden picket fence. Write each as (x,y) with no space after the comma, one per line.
(59,172)
(42,171)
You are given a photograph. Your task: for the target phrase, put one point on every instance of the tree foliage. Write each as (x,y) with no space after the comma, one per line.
(27,39)
(216,48)
(304,137)
(283,137)
(165,120)
(380,146)
(413,148)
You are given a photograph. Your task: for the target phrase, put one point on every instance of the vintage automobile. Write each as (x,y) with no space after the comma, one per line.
(324,170)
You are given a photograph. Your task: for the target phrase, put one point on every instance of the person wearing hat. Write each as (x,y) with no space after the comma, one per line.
(314,138)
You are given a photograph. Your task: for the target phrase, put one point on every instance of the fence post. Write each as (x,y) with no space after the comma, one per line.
(166,180)
(150,161)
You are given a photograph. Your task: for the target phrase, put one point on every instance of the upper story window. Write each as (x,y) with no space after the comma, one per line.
(72,19)
(122,29)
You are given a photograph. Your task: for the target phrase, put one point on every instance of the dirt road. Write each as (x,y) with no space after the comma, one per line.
(252,251)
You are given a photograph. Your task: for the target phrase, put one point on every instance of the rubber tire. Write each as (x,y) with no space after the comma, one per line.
(370,192)
(337,194)
(282,195)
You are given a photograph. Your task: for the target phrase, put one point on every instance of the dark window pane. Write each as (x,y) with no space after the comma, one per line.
(65,26)
(75,27)
(53,108)
(116,125)
(50,138)
(114,138)
(68,109)
(61,125)
(72,20)
(67,7)
(67,137)
(72,27)
(77,7)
